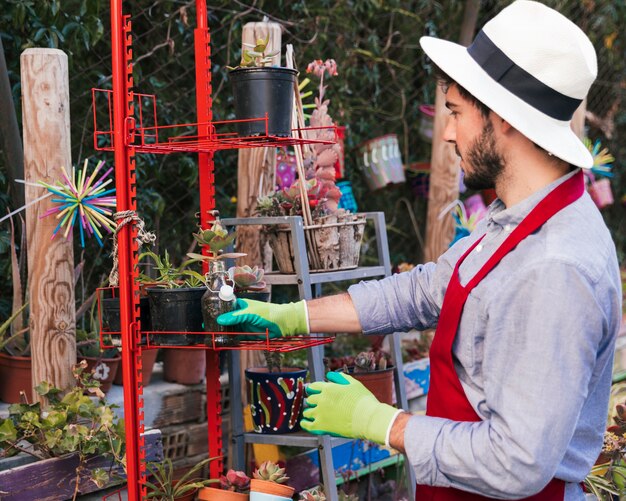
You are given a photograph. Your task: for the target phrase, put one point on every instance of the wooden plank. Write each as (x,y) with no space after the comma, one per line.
(46,122)
(444,163)
(55,479)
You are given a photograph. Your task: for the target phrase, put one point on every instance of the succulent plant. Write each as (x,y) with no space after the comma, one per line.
(236,481)
(255,56)
(368,361)
(215,240)
(246,278)
(271,472)
(314,494)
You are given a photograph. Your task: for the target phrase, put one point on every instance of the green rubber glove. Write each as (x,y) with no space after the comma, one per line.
(343,407)
(256,316)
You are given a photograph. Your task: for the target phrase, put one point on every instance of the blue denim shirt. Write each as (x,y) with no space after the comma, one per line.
(534,351)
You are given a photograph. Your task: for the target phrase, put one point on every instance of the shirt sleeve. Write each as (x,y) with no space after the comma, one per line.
(547,344)
(409,300)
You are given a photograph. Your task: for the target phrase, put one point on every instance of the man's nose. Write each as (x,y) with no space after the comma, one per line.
(449,131)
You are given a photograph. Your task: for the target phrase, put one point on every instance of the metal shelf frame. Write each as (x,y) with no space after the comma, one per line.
(310,286)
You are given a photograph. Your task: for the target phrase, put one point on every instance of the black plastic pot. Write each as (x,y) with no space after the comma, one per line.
(258,91)
(176,310)
(111,314)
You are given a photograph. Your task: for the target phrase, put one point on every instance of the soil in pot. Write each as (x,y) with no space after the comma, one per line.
(103,369)
(15,376)
(214,494)
(271,488)
(184,366)
(379,382)
(261,91)
(148,358)
(175,310)
(276,399)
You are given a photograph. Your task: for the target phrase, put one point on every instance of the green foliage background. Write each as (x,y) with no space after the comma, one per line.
(383,78)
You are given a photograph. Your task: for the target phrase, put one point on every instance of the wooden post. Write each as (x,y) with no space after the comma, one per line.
(444,163)
(46,124)
(256,173)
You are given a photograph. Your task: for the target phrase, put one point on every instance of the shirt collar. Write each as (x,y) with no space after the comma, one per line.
(501,215)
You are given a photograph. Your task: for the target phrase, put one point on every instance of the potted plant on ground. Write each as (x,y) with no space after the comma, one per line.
(276,395)
(78,423)
(235,486)
(101,363)
(15,361)
(260,91)
(268,483)
(162,486)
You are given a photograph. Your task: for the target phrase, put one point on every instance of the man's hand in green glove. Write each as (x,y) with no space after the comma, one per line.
(256,316)
(344,407)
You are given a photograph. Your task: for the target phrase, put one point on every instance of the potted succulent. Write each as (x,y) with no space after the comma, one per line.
(268,483)
(371,368)
(314,494)
(261,90)
(276,395)
(248,282)
(162,486)
(235,486)
(78,430)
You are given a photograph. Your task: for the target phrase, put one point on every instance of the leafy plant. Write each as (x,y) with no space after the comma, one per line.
(236,481)
(8,342)
(72,423)
(163,486)
(288,201)
(246,278)
(168,275)
(270,472)
(256,56)
(215,240)
(369,361)
(314,494)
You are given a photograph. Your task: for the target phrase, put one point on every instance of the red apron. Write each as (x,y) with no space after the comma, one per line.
(446,398)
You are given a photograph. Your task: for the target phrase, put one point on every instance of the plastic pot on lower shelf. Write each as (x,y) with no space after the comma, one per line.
(276,399)
(176,310)
(111,317)
(264,490)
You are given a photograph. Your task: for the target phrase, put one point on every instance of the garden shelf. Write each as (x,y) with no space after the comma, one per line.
(145,134)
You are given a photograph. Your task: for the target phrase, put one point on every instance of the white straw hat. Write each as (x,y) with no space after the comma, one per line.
(530,65)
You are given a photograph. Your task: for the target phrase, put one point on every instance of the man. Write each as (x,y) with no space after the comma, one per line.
(527,307)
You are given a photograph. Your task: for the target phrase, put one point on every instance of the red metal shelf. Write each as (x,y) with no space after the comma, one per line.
(145,135)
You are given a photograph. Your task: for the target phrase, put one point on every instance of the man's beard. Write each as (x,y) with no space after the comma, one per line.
(485,161)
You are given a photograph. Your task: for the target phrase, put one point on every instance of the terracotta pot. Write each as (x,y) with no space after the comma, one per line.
(214,494)
(15,376)
(184,366)
(272,488)
(276,399)
(103,369)
(148,357)
(379,382)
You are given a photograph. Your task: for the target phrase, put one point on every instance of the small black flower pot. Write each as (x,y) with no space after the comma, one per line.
(258,91)
(176,310)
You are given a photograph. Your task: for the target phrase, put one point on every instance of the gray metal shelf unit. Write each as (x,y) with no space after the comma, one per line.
(310,286)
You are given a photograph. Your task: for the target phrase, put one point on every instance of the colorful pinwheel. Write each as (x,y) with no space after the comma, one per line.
(602,159)
(84,201)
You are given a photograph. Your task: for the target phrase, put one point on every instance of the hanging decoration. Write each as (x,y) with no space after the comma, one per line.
(83,201)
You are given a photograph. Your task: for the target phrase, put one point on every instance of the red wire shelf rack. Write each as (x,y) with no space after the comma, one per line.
(243,341)
(145,134)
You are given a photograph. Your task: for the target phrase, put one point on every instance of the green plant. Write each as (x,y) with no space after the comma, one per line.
(214,240)
(314,494)
(246,278)
(256,56)
(236,481)
(163,486)
(168,275)
(288,201)
(369,361)
(270,472)
(73,422)
(15,343)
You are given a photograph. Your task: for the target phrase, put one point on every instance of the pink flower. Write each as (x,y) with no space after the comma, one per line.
(318,67)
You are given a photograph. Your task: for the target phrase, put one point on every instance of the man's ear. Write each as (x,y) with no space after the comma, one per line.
(500,123)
